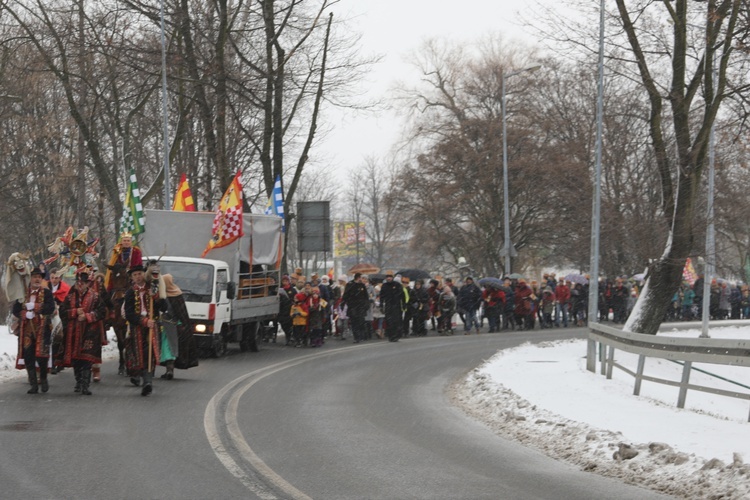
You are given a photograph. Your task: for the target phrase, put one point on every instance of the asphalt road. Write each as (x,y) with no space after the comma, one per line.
(345,421)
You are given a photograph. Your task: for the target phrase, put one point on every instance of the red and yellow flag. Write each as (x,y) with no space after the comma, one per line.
(228,221)
(183,199)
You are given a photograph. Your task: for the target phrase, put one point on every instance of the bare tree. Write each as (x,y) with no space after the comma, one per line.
(693,87)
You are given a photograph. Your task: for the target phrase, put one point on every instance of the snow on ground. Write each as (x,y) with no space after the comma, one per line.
(9,350)
(543,396)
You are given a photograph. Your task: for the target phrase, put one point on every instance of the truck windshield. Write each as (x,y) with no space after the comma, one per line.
(195,280)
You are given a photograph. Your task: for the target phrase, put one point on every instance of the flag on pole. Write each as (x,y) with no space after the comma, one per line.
(183,199)
(133,221)
(227,225)
(688,272)
(275,204)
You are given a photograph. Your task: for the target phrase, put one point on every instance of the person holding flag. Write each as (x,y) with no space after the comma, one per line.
(132,223)
(227,226)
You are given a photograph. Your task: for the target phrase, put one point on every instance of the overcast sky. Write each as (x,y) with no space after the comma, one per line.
(395,28)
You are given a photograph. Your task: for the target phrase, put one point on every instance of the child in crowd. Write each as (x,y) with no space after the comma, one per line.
(299,313)
(316,317)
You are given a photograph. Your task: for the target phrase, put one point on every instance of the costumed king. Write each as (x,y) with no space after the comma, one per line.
(123,254)
(142,307)
(34,334)
(82,313)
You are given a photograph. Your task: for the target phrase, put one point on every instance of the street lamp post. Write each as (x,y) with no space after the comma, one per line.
(506,210)
(597,201)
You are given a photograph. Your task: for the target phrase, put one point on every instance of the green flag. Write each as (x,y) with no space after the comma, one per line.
(132,221)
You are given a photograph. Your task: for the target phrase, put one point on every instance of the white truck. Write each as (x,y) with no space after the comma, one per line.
(232,291)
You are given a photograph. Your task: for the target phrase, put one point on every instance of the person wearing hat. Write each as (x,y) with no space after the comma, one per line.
(392,300)
(124,254)
(142,308)
(34,334)
(297,276)
(182,345)
(82,313)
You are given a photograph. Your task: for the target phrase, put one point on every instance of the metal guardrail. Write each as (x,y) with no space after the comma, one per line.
(681,349)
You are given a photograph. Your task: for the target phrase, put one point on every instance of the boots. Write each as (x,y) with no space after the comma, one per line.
(169,375)
(85,381)
(380,334)
(31,370)
(79,383)
(96,370)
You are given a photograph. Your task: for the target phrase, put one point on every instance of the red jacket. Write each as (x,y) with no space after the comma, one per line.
(562,293)
(493,297)
(61,292)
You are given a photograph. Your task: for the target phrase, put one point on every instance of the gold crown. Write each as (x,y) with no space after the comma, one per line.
(126,234)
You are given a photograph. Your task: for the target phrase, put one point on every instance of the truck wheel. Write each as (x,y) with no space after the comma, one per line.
(219,347)
(249,340)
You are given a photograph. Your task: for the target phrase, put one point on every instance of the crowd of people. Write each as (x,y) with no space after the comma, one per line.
(726,301)
(397,307)
(61,326)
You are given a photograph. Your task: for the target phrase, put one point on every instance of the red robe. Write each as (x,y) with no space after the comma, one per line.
(82,339)
(36,331)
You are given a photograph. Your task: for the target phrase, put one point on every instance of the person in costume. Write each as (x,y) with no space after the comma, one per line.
(142,308)
(34,334)
(184,352)
(82,313)
(123,254)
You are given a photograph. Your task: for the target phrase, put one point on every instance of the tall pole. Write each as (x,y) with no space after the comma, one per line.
(506,210)
(167,190)
(596,210)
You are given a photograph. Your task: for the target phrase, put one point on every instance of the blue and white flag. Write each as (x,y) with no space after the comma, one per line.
(276,202)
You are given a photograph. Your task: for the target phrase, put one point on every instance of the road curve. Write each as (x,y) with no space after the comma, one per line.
(373,421)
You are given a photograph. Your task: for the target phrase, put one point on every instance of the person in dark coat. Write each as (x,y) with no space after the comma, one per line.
(34,334)
(82,313)
(392,301)
(186,355)
(510,304)
(357,301)
(420,304)
(619,301)
(469,299)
